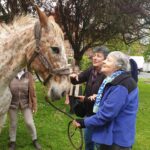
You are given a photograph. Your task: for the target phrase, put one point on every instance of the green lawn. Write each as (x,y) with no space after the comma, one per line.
(52,125)
(143,119)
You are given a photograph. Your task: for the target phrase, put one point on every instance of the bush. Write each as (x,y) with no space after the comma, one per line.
(85,62)
(147,54)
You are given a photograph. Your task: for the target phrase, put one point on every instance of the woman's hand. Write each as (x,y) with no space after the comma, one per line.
(81,98)
(75,76)
(93,97)
(76,124)
(34,111)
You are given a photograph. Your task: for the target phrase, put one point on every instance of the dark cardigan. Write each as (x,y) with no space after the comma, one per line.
(92,86)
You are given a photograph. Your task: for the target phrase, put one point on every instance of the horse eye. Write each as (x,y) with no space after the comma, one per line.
(55,50)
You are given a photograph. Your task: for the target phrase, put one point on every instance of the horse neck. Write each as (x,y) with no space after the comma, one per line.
(13,57)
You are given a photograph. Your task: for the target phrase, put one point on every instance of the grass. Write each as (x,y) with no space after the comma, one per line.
(143,117)
(52,125)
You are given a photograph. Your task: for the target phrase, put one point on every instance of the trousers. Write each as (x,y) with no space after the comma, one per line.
(28,118)
(89,144)
(112,147)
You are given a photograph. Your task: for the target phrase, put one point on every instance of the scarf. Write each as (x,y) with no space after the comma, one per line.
(102,87)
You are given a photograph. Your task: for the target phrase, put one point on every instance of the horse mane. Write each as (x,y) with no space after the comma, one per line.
(22,22)
(19,23)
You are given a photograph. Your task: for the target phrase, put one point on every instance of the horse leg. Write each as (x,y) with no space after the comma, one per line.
(2,121)
(5,100)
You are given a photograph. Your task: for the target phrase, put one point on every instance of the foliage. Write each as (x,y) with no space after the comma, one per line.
(88,23)
(85,62)
(147,54)
(9,9)
(135,48)
(52,125)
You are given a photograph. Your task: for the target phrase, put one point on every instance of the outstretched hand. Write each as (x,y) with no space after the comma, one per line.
(75,76)
(76,124)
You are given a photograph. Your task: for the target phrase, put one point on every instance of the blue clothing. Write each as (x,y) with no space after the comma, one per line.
(115,121)
(107,80)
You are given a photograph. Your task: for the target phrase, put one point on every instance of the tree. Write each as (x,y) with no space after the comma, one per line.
(147,53)
(88,23)
(133,49)
(10,8)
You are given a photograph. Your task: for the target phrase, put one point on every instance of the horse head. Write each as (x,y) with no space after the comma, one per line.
(48,59)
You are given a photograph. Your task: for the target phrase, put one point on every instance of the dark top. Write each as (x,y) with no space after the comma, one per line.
(93,82)
(134,69)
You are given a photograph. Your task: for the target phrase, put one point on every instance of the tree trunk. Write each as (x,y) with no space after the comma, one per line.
(78,58)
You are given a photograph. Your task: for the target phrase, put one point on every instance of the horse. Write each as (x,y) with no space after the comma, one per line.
(37,43)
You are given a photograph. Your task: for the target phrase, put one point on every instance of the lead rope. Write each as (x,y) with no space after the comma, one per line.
(69,124)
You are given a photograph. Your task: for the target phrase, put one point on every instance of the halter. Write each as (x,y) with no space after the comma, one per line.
(38,53)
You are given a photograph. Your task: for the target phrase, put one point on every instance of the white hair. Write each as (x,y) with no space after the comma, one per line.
(122,60)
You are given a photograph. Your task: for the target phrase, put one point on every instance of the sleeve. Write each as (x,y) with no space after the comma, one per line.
(112,106)
(81,121)
(83,77)
(87,101)
(32,93)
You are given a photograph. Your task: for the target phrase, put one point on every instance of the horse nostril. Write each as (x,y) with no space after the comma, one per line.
(52,90)
(63,93)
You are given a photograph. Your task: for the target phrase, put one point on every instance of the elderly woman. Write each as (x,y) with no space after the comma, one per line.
(115,107)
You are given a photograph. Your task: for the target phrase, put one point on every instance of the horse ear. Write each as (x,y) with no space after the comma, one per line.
(42,17)
(52,18)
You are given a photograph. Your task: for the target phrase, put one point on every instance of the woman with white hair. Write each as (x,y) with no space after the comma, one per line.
(115,107)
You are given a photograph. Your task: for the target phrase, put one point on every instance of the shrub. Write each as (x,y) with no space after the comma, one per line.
(85,62)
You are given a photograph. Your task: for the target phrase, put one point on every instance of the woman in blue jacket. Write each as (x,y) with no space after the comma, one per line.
(115,107)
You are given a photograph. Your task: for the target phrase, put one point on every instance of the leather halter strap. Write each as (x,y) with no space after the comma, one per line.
(38,54)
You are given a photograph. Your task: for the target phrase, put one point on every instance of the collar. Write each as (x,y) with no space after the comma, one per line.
(120,78)
(20,74)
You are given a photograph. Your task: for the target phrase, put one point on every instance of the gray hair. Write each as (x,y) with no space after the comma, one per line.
(122,60)
(101,49)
